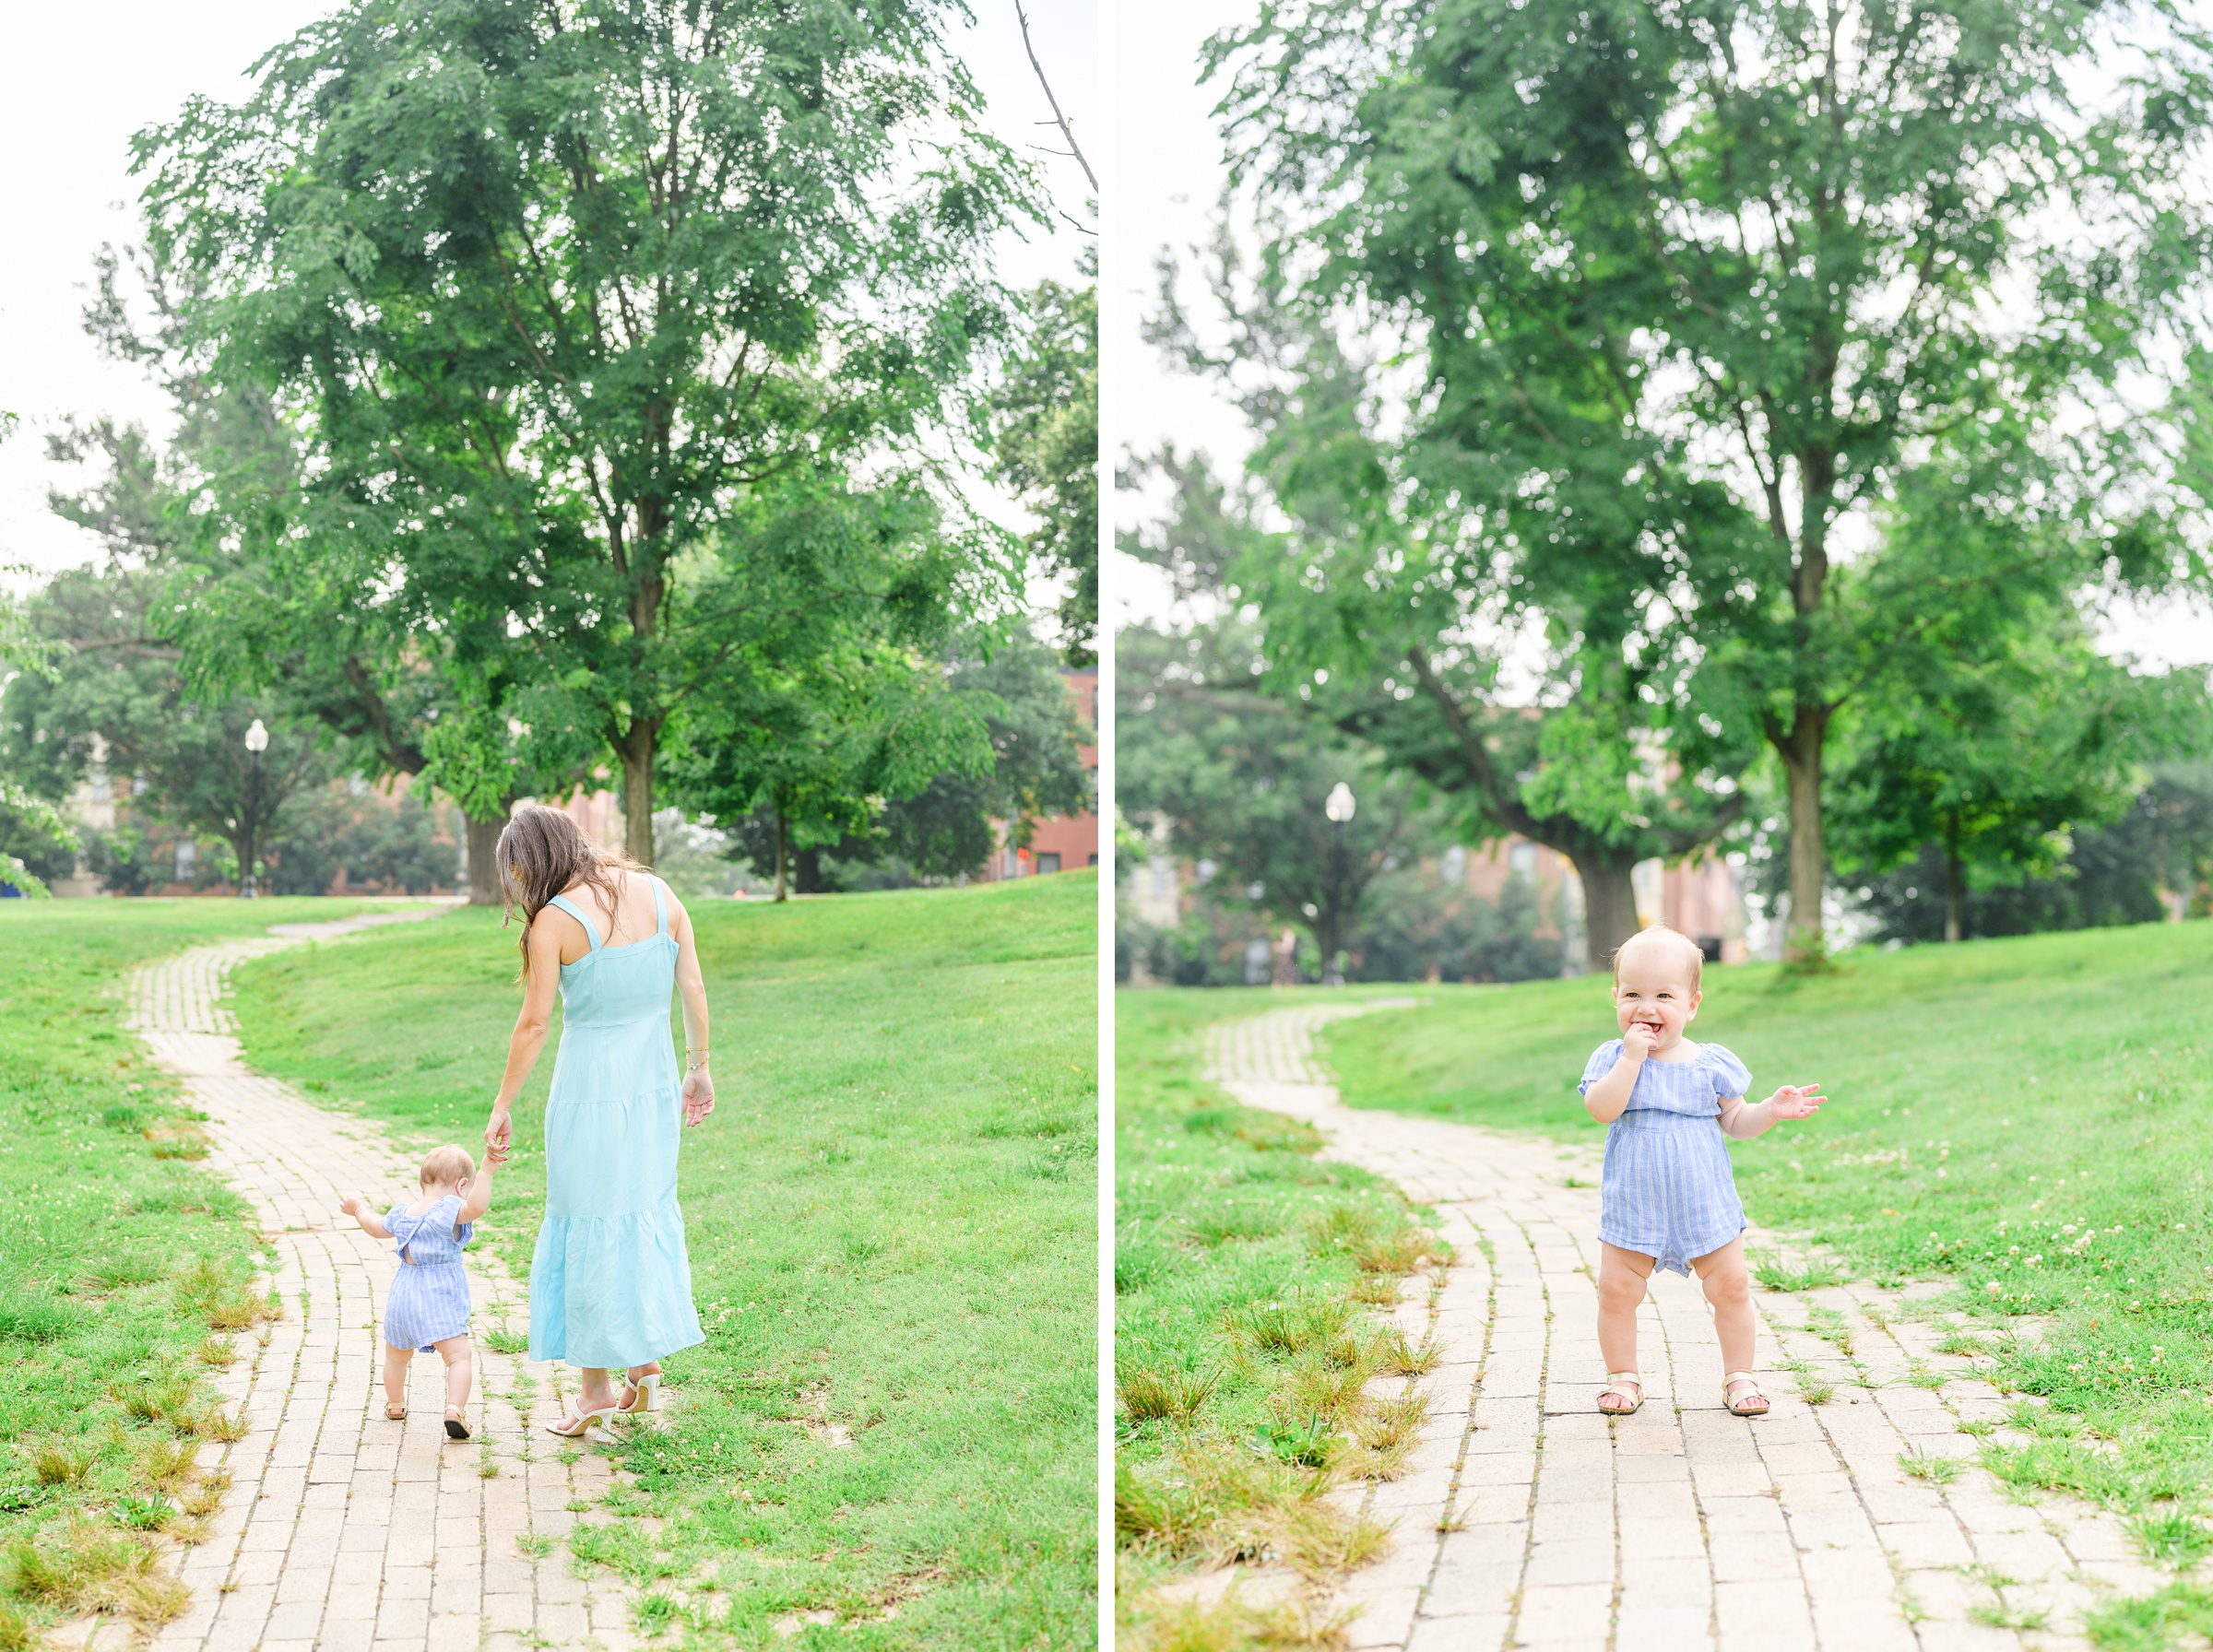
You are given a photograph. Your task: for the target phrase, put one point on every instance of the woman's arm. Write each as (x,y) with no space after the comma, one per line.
(699,1085)
(529,1036)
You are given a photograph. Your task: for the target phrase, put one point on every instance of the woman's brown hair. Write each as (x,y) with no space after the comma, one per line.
(542,852)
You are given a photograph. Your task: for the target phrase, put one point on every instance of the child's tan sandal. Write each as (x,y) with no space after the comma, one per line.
(1754,1404)
(395,1413)
(1621,1386)
(455,1429)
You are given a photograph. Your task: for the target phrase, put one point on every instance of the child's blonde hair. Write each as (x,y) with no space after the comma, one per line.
(1675,940)
(447,1164)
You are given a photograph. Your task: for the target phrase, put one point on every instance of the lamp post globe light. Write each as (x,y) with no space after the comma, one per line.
(258,742)
(1339,806)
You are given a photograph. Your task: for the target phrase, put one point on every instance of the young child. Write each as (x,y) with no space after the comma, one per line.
(1666,1197)
(428,1304)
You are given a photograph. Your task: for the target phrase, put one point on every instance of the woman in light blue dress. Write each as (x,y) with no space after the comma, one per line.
(610,1286)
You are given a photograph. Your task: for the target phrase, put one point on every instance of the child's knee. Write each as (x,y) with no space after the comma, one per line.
(1620,1288)
(454,1350)
(1728,1287)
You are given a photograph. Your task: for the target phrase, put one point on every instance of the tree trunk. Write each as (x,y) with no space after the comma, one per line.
(1801,752)
(1951,891)
(484,859)
(807,871)
(1609,904)
(637,752)
(782,857)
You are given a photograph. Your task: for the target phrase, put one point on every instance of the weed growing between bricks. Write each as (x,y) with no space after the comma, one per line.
(127,1266)
(2025,1119)
(1247,1273)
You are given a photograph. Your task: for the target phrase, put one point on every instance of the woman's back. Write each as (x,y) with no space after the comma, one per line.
(618,982)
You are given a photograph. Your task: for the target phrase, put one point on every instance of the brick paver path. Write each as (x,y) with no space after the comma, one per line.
(342,1531)
(1526,1519)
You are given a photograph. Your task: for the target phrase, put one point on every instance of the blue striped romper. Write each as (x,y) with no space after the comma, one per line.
(1667,1190)
(429,1299)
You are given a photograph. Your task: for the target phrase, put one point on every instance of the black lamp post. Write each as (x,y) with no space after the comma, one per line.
(1339,806)
(258,742)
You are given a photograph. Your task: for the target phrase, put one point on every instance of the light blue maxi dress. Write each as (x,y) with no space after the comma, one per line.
(1667,1190)
(610,1285)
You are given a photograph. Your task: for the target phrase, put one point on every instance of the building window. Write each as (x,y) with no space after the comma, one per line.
(1047,863)
(1093,860)
(188,859)
(1521,860)
(1453,870)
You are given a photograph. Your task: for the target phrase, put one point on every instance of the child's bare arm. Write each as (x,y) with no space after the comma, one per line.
(480,1198)
(370,1225)
(1609,1098)
(1742,1120)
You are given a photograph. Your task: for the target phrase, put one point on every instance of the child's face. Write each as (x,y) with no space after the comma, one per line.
(1653,991)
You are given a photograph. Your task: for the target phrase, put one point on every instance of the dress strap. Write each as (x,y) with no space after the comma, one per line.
(661,904)
(577,912)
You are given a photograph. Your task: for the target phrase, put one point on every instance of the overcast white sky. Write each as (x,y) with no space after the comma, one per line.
(88,77)
(1168,173)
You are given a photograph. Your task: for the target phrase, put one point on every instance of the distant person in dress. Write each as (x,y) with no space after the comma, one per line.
(610,1285)
(1667,1197)
(427,1308)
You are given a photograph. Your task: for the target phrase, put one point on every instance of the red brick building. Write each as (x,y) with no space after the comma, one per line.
(1059,842)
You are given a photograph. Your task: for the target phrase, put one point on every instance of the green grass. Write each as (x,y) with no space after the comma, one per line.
(1243,1265)
(892,1219)
(120,1257)
(2031,1118)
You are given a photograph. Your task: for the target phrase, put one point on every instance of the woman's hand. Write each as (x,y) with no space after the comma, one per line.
(699,1095)
(496,1134)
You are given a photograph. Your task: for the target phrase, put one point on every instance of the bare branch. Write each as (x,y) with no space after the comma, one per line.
(1059,120)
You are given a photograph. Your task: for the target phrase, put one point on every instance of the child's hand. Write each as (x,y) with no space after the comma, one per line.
(1796,1101)
(352,1206)
(1637,1041)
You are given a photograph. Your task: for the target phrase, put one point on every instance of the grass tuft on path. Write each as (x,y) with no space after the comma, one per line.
(123,1259)
(2029,1118)
(1247,1271)
(891,1221)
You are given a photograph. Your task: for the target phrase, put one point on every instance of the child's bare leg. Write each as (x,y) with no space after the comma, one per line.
(460,1367)
(395,1376)
(1728,1289)
(1622,1275)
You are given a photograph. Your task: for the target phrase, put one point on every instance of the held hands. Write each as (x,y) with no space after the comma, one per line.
(699,1095)
(1796,1100)
(496,1136)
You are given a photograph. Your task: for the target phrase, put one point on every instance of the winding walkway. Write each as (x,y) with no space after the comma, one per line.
(1528,1520)
(342,1531)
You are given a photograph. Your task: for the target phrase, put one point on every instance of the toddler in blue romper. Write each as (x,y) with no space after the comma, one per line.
(427,1308)
(1667,1197)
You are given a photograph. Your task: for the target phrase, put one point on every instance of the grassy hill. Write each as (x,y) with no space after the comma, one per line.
(892,1219)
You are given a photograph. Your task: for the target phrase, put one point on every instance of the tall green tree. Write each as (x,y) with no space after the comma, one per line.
(256,602)
(117,700)
(1048,446)
(1842,234)
(555,288)
(1241,778)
